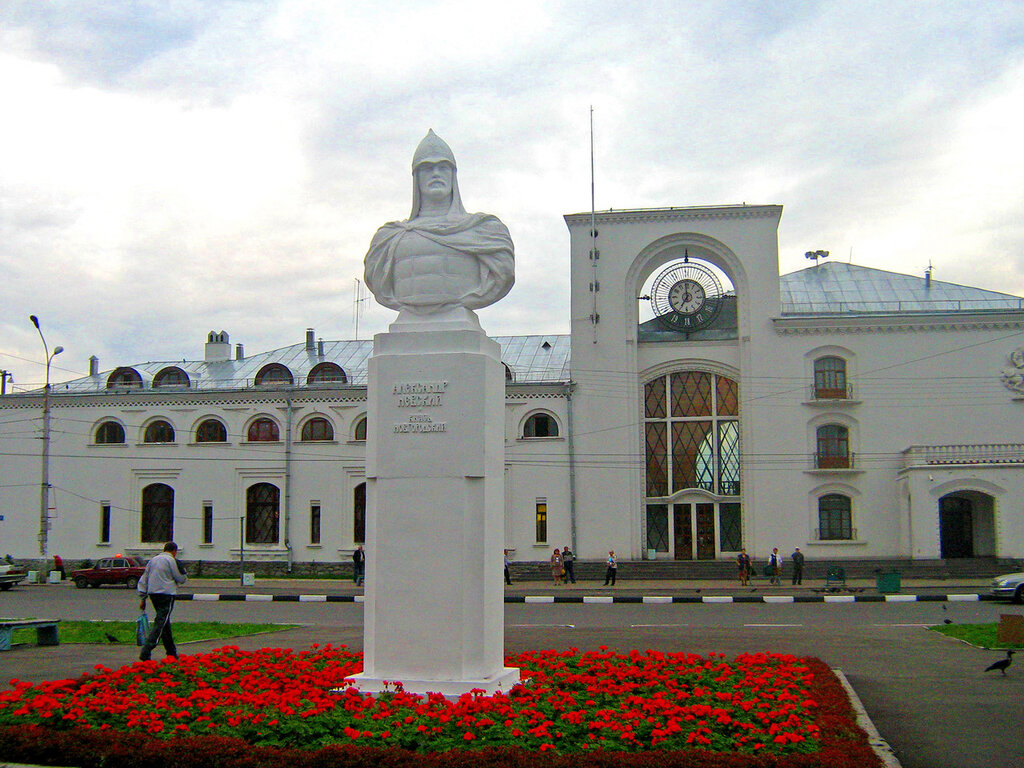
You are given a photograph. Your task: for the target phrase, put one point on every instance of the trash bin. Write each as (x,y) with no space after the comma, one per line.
(888,583)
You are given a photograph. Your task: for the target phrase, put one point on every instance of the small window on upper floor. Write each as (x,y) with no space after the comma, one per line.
(124,378)
(274,374)
(159,432)
(211,431)
(509,376)
(317,428)
(540,425)
(830,378)
(109,433)
(327,373)
(833,449)
(263,431)
(359,432)
(171,377)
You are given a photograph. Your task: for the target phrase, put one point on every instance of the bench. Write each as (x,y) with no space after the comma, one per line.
(47,632)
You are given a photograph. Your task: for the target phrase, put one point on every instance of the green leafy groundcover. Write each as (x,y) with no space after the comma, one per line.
(234,709)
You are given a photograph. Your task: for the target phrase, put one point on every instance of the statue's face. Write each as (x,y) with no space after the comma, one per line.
(435,181)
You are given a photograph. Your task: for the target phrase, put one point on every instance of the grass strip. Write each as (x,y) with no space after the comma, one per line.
(123,632)
(980,635)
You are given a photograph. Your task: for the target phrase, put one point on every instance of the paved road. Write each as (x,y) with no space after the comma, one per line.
(927,694)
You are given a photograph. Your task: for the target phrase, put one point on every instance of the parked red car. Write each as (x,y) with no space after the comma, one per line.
(110,570)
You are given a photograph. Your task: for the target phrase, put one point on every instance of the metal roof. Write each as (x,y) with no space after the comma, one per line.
(838,288)
(531,359)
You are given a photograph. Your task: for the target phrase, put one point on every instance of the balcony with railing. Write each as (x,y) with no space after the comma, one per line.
(834,462)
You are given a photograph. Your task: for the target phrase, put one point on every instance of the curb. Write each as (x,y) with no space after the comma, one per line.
(880,746)
(606,599)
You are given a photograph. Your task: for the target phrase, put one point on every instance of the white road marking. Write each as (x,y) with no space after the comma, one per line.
(533,626)
(671,626)
(773,625)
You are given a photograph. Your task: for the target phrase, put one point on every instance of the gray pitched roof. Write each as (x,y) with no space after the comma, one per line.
(531,359)
(837,288)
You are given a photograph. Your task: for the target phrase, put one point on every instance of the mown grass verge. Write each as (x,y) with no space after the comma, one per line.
(980,635)
(123,632)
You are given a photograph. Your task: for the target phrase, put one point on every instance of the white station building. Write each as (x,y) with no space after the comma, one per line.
(702,403)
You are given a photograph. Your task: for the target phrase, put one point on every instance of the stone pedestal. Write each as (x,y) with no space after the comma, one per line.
(434,608)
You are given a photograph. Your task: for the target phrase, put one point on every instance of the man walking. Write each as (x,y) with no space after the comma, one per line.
(798,566)
(358,565)
(159,583)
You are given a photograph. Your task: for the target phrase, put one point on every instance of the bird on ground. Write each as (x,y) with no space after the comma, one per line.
(947,621)
(1002,664)
(111,638)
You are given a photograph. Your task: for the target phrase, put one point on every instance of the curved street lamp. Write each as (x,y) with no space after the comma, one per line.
(44,485)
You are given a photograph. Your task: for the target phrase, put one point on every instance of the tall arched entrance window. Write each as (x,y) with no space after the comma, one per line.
(691,434)
(262,514)
(359,514)
(157,514)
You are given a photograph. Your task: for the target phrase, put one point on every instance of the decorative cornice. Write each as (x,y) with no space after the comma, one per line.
(639,215)
(847,324)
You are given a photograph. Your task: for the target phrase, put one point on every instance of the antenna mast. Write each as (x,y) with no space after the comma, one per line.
(357,305)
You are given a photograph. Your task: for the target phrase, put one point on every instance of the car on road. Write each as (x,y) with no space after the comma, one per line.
(1009,585)
(110,570)
(9,576)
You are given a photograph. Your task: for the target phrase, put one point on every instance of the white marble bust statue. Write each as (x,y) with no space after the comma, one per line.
(441,257)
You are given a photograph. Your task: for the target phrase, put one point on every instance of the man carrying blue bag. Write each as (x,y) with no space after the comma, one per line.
(160,583)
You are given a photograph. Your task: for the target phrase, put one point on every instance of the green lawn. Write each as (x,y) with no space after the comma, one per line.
(981,635)
(123,632)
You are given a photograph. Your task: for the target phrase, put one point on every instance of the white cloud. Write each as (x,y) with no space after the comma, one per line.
(174,169)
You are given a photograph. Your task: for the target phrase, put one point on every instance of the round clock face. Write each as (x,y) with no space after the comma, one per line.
(686,297)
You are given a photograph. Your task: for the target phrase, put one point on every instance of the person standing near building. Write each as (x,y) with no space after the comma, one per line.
(508,576)
(775,567)
(569,564)
(798,566)
(613,567)
(159,583)
(743,563)
(556,566)
(358,565)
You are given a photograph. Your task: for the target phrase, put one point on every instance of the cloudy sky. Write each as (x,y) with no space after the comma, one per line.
(172,167)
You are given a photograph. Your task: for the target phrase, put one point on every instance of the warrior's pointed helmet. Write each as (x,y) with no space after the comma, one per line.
(434,149)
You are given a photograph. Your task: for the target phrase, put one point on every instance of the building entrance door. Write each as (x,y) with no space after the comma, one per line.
(956,527)
(705,531)
(682,533)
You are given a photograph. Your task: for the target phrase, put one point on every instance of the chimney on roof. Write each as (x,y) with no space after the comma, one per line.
(239,352)
(94,366)
(218,347)
(928,277)
(310,340)
(320,348)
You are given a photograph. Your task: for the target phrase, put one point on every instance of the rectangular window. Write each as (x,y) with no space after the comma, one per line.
(730,527)
(657,527)
(314,522)
(542,521)
(104,522)
(207,522)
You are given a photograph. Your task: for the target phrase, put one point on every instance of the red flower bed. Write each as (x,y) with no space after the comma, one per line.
(236,708)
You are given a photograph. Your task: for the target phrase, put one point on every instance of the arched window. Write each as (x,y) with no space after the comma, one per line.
(833,447)
(359,432)
(264,431)
(262,513)
(327,373)
(317,428)
(211,431)
(159,432)
(540,425)
(124,378)
(359,514)
(109,432)
(830,378)
(171,377)
(157,514)
(509,377)
(274,374)
(834,517)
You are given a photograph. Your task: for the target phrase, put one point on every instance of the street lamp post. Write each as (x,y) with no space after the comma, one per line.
(44,485)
